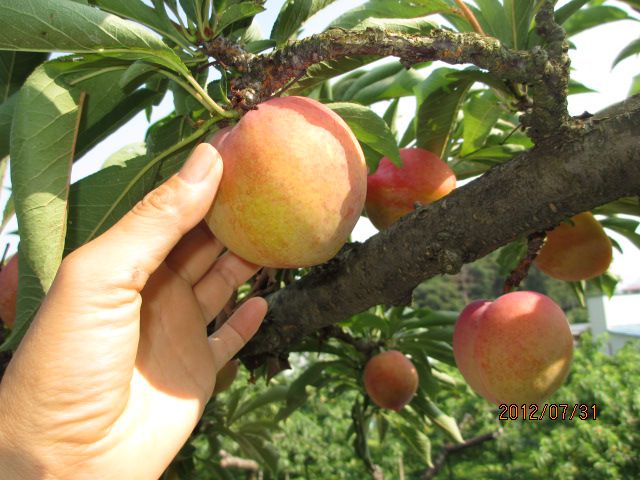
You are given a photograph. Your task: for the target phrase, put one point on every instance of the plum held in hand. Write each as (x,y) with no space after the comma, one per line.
(293,186)
(575,250)
(516,349)
(8,291)
(392,192)
(390,379)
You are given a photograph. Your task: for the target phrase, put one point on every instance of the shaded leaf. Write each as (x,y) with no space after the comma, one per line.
(390,9)
(480,114)
(15,67)
(65,26)
(369,129)
(237,12)
(592,17)
(292,16)
(632,49)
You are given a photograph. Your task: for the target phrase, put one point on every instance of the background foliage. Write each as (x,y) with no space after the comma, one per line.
(121,57)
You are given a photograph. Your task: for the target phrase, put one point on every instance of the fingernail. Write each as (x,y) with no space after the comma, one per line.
(199,164)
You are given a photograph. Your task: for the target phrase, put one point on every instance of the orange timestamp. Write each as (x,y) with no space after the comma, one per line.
(551,411)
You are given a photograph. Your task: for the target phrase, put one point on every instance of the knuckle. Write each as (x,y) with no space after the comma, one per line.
(162,199)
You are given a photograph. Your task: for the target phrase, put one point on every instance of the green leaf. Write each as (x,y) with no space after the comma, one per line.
(63,26)
(566,11)
(29,288)
(510,255)
(275,394)
(9,210)
(323,71)
(107,107)
(237,12)
(624,226)
(138,11)
(292,16)
(520,14)
(635,86)
(6,117)
(480,114)
(15,67)
(122,156)
(43,138)
(390,9)
(493,19)
(412,26)
(417,440)
(632,49)
(439,100)
(576,87)
(391,114)
(400,84)
(369,129)
(98,201)
(592,17)
(437,416)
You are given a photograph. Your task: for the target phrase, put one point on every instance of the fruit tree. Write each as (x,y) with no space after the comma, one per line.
(300,122)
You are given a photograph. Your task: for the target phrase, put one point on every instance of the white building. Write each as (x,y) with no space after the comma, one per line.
(619,316)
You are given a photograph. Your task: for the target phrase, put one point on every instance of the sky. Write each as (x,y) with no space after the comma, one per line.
(591,61)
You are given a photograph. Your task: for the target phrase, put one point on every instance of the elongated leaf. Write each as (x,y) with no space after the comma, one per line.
(413,26)
(566,11)
(275,394)
(64,26)
(624,226)
(440,98)
(371,76)
(237,12)
(369,129)
(43,136)
(6,117)
(9,210)
(635,86)
(96,202)
(437,416)
(29,287)
(138,11)
(15,67)
(400,84)
(292,16)
(493,18)
(632,49)
(323,71)
(592,17)
(107,107)
(480,114)
(390,9)
(520,15)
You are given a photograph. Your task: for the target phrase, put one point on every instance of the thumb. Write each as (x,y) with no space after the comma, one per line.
(137,244)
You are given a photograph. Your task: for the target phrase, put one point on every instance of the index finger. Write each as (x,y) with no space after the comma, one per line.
(227,341)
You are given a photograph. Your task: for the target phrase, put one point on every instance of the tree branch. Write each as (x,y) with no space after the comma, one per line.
(531,193)
(265,74)
(456,447)
(550,86)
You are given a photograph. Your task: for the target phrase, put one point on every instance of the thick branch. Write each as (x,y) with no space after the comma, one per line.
(550,79)
(531,193)
(265,74)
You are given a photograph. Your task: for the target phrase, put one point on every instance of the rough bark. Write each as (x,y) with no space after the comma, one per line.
(596,164)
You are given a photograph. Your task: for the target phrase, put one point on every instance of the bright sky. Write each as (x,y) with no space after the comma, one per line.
(591,61)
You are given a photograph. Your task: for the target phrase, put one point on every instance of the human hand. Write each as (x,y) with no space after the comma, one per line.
(116,368)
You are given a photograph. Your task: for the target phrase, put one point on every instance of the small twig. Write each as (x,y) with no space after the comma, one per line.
(453,448)
(230,461)
(471,18)
(519,273)
(362,346)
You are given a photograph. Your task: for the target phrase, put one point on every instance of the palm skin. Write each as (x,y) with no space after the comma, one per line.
(116,368)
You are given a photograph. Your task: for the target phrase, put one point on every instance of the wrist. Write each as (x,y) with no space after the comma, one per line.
(17,462)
